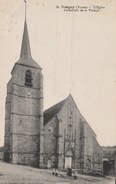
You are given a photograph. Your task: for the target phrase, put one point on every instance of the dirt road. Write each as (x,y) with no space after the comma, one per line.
(16,174)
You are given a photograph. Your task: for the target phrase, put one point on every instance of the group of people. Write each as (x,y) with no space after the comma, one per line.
(69,172)
(55,172)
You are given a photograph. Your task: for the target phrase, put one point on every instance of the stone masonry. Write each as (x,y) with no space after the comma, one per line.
(24,110)
(72,142)
(60,137)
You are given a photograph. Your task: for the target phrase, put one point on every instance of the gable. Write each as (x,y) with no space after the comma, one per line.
(54,110)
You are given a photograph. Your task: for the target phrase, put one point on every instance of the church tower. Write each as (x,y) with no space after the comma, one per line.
(24,110)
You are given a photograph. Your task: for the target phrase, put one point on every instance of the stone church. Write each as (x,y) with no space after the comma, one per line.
(59,137)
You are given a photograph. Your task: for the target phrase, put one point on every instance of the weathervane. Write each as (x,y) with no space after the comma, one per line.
(25,7)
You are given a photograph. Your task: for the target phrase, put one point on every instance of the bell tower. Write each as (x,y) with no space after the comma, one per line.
(24,110)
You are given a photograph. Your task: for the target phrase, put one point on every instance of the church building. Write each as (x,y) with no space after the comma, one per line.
(59,137)
(69,141)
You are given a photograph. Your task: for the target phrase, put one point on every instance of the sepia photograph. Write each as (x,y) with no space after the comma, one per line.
(58,92)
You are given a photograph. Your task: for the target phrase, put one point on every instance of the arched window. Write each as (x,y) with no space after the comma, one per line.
(28,78)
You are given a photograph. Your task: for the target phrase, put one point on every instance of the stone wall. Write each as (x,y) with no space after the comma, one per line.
(97,157)
(50,143)
(1,153)
(92,151)
(26,117)
(7,121)
(115,163)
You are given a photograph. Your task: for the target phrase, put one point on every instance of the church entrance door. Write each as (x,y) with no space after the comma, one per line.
(49,164)
(68,162)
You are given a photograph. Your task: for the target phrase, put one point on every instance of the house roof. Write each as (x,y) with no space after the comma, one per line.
(52,111)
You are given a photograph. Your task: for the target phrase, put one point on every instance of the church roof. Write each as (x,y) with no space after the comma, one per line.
(25,49)
(25,55)
(52,111)
(30,63)
(55,109)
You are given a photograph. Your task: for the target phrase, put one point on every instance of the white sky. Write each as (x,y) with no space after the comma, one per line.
(76,50)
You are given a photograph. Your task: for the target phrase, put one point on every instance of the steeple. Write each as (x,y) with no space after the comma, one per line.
(25,54)
(25,48)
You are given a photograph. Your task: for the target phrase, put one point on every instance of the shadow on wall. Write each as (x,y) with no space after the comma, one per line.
(106,168)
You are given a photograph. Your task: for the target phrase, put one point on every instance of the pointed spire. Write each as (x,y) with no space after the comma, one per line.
(25,48)
(25,55)
(25,8)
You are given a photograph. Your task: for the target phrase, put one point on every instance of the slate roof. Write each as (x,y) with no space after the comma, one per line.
(28,62)
(25,48)
(25,55)
(52,111)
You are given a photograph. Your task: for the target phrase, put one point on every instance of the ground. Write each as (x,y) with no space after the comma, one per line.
(16,174)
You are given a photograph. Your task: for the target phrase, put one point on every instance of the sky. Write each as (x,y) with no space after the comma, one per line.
(77,51)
